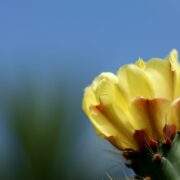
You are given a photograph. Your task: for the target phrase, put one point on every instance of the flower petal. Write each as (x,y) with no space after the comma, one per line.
(169,131)
(150,115)
(164,75)
(101,103)
(175,113)
(175,69)
(136,81)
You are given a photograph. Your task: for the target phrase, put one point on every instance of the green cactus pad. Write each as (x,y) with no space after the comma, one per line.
(160,162)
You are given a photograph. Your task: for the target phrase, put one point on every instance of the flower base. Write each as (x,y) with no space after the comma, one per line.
(161,162)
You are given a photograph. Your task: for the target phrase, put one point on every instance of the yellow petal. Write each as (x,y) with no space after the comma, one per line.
(151,115)
(175,113)
(136,81)
(164,74)
(177,84)
(173,59)
(108,87)
(175,69)
(99,121)
(116,116)
(140,63)
(101,104)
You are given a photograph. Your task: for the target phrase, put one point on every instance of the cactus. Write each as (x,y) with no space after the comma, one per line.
(159,160)
(138,111)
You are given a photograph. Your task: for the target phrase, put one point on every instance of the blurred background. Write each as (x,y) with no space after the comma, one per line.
(49,52)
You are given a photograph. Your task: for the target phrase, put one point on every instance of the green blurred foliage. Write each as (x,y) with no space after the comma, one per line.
(39,121)
(38,130)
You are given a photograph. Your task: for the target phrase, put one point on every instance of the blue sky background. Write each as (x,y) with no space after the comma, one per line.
(117,31)
(76,40)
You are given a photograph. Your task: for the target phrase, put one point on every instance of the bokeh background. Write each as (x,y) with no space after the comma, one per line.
(49,52)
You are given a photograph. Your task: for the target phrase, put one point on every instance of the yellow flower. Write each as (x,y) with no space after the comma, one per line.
(140,104)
